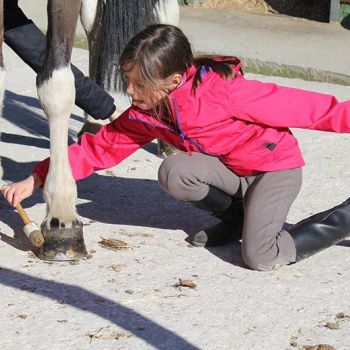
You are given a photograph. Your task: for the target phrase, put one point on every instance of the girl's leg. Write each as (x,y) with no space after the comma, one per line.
(207,184)
(267,201)
(188,178)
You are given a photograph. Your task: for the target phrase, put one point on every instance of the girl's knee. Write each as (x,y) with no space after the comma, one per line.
(257,261)
(165,170)
(180,175)
(168,172)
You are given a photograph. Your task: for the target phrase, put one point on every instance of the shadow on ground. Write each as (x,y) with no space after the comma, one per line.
(140,326)
(26,113)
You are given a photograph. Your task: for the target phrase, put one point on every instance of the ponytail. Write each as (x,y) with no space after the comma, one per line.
(222,65)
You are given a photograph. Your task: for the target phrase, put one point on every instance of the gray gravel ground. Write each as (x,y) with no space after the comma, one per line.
(128,299)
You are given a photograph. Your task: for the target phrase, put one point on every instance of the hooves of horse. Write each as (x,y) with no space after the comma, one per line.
(109,25)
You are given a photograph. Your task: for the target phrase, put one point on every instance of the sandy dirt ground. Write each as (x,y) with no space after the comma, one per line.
(256,6)
(131,298)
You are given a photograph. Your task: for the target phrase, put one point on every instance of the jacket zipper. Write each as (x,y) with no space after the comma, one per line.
(183,135)
(180,133)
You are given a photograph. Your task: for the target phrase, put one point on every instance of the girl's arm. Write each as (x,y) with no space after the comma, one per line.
(108,147)
(277,106)
(113,143)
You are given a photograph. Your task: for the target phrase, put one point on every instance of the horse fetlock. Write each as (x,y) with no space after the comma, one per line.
(60,204)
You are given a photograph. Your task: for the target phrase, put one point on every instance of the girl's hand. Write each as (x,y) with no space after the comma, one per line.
(14,193)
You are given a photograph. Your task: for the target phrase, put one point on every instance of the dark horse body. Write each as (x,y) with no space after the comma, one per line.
(55,84)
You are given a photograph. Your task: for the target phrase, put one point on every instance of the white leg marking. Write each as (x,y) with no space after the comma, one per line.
(168,11)
(88,14)
(57,97)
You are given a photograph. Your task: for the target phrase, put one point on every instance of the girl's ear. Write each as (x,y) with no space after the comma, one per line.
(173,82)
(177,79)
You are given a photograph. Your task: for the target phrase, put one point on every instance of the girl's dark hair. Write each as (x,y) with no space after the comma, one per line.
(161,50)
(221,65)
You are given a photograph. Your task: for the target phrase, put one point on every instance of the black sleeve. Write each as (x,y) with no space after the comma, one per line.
(29,43)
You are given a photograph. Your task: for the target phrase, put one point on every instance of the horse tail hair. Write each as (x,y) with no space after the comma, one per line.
(120,21)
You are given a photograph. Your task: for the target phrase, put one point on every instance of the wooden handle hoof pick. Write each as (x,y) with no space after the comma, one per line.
(30,229)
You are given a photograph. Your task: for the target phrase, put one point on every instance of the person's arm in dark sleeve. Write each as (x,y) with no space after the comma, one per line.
(29,43)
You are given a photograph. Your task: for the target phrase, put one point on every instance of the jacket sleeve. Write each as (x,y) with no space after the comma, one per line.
(113,143)
(284,107)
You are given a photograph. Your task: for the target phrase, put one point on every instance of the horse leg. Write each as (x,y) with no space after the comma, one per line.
(90,16)
(62,230)
(167,12)
(2,68)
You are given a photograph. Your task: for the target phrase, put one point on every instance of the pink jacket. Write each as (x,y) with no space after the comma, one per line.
(245,123)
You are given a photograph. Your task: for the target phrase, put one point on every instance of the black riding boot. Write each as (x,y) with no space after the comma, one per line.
(226,208)
(321,230)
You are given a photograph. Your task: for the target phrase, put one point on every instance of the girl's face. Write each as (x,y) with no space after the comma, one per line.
(143,96)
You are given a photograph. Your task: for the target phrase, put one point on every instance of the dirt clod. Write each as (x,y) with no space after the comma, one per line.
(105,333)
(185,283)
(116,267)
(332,325)
(318,347)
(23,317)
(113,244)
(341,316)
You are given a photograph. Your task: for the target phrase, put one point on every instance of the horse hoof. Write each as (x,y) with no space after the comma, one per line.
(62,243)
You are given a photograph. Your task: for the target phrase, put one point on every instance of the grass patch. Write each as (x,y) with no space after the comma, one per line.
(290,71)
